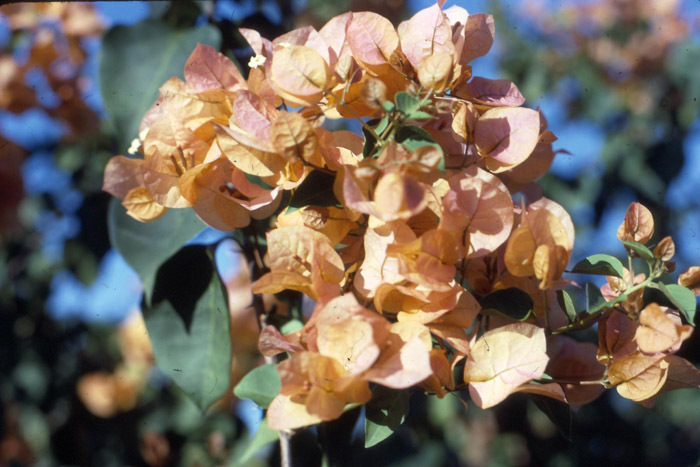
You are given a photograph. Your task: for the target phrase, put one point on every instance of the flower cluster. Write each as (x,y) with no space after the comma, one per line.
(408,238)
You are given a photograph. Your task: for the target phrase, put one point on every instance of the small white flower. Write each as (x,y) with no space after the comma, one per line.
(135,145)
(258,60)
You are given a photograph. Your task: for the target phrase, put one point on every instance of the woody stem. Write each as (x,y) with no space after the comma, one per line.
(285,448)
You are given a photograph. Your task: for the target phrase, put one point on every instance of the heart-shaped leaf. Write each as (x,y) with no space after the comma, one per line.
(189,325)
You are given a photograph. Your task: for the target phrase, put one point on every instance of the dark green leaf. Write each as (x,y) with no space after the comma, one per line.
(414,137)
(604,265)
(260,385)
(189,325)
(264,436)
(406,103)
(558,412)
(566,304)
(146,245)
(594,299)
(315,190)
(384,414)
(255,180)
(135,61)
(680,298)
(511,303)
(641,251)
(379,125)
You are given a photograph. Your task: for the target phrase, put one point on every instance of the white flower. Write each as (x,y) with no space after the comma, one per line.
(258,60)
(135,145)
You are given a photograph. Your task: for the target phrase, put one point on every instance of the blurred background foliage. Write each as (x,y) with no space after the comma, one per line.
(617,79)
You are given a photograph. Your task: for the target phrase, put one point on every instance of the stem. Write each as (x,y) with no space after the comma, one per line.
(589,320)
(285,448)
(252,252)
(580,383)
(630,281)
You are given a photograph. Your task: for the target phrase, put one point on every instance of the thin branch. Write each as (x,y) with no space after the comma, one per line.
(285,448)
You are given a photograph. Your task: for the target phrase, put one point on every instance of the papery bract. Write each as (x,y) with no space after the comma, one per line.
(300,74)
(503,359)
(658,331)
(479,209)
(427,33)
(305,260)
(691,279)
(637,376)
(505,136)
(538,247)
(638,225)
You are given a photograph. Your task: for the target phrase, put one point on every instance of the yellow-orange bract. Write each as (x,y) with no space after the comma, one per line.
(540,246)
(659,331)
(503,359)
(398,235)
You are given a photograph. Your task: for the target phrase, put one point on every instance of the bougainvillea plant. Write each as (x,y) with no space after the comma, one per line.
(417,254)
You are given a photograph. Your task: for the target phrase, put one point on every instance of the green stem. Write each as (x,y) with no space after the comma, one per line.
(589,320)
(630,266)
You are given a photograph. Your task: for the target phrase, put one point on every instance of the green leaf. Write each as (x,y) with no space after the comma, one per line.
(566,304)
(510,303)
(291,326)
(135,61)
(315,190)
(604,265)
(379,125)
(642,251)
(414,137)
(384,414)
(557,412)
(420,115)
(189,325)
(406,103)
(264,436)
(261,385)
(594,299)
(146,245)
(680,297)
(255,180)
